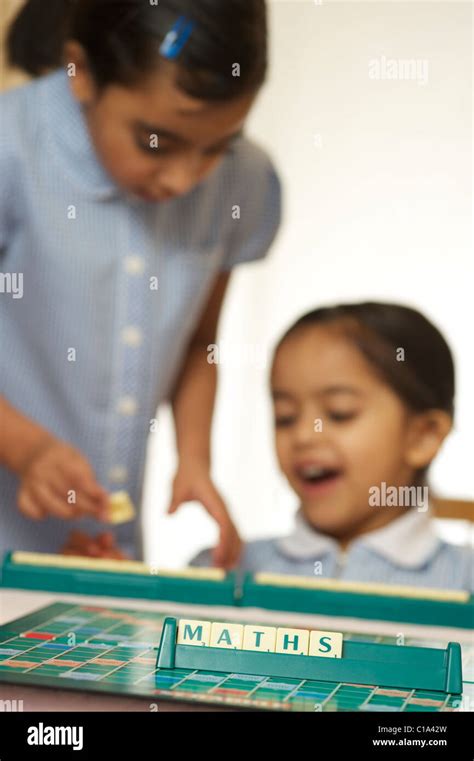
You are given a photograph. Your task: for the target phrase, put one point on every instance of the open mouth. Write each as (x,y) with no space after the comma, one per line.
(317,477)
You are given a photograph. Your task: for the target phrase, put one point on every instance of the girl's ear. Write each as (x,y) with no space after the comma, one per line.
(427,431)
(82,83)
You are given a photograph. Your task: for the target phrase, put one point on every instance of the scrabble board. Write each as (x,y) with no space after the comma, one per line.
(102,649)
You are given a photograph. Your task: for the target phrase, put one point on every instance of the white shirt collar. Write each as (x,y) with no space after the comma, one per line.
(407,542)
(305,542)
(72,144)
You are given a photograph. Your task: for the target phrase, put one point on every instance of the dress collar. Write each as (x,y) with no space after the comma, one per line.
(305,542)
(407,542)
(70,141)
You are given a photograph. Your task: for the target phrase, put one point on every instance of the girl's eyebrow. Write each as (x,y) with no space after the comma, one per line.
(333,390)
(160,131)
(169,135)
(280,395)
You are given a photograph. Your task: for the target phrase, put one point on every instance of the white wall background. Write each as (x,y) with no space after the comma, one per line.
(377,177)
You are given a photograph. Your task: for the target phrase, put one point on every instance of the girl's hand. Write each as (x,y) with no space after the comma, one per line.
(193,482)
(51,476)
(102,546)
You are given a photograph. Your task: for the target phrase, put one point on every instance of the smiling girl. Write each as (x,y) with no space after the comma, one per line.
(363,399)
(128,193)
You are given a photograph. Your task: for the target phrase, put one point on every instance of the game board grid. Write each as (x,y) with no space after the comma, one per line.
(115,651)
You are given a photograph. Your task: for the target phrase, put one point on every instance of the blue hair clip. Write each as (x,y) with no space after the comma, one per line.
(177,38)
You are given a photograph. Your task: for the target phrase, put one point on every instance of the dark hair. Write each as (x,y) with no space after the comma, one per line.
(122,39)
(424,379)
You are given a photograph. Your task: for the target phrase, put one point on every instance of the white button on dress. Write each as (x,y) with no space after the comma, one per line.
(127,406)
(132,336)
(118,474)
(134,265)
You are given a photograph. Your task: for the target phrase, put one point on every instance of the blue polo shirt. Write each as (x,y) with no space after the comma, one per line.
(407,552)
(112,289)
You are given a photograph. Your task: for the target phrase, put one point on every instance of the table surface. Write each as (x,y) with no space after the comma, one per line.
(17,603)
